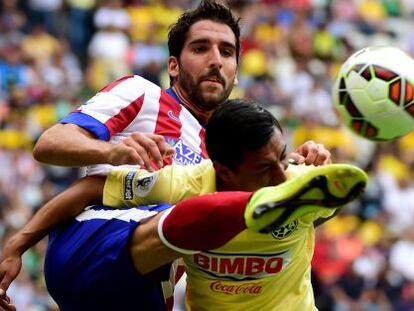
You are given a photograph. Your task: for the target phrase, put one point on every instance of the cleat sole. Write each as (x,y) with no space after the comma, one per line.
(330,187)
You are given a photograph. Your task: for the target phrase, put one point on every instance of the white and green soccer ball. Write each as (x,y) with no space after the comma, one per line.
(374,93)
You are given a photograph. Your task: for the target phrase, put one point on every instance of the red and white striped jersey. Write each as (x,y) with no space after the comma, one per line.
(133,104)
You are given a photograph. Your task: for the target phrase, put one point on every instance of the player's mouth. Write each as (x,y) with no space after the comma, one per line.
(213,79)
(213,82)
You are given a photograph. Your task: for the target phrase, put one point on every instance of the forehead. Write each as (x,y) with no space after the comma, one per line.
(210,31)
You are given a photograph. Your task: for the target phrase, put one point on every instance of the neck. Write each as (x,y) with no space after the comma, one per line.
(219,184)
(196,110)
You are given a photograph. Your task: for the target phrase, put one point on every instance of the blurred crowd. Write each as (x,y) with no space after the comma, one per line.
(55,54)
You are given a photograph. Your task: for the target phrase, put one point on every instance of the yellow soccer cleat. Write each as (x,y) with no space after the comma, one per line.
(328,186)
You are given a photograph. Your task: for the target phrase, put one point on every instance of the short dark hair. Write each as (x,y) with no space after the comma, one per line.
(235,127)
(206,10)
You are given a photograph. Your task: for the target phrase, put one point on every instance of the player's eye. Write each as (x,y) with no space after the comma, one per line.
(266,168)
(199,49)
(227,53)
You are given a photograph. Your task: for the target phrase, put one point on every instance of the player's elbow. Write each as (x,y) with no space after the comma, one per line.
(41,149)
(45,146)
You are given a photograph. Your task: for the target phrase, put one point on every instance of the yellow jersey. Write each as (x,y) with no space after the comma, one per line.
(252,271)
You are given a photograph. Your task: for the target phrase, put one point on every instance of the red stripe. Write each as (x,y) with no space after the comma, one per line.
(203,148)
(169,303)
(111,85)
(168,161)
(168,122)
(119,122)
(179,273)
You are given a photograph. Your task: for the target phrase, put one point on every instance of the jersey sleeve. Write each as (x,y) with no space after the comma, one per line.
(113,108)
(171,184)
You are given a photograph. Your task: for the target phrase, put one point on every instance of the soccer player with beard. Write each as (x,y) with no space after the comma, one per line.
(133,121)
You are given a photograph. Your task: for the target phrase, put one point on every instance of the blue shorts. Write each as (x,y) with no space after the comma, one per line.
(88,264)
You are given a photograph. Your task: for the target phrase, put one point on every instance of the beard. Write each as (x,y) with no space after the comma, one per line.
(198,98)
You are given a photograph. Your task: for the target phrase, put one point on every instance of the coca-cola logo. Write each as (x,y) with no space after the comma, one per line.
(248,288)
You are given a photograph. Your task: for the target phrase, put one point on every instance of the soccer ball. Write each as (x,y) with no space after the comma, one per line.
(374,93)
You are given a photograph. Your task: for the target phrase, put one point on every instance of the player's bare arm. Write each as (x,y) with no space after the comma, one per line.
(147,250)
(61,208)
(71,145)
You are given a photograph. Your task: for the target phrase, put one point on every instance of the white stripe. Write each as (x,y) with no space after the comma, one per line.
(164,240)
(190,130)
(146,119)
(126,215)
(105,105)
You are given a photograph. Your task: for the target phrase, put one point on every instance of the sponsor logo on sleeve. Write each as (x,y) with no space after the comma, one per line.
(145,184)
(128,195)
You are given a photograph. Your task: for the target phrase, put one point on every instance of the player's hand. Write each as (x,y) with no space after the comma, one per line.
(311,153)
(10,266)
(142,149)
(5,303)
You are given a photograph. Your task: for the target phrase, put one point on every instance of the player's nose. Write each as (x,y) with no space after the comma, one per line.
(279,175)
(215,59)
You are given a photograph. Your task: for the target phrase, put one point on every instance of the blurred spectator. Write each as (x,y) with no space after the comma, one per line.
(399,204)
(80,26)
(300,38)
(14,72)
(109,45)
(401,254)
(11,23)
(62,74)
(146,59)
(315,104)
(406,302)
(45,13)
(370,264)
(324,43)
(39,45)
(348,291)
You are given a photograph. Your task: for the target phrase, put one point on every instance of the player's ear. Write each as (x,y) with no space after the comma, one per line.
(236,81)
(223,172)
(173,67)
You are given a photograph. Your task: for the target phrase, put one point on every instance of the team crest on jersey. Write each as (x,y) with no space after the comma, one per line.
(172,116)
(145,184)
(286,230)
(184,154)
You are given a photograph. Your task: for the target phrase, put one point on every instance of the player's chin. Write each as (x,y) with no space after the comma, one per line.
(214,90)
(213,99)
